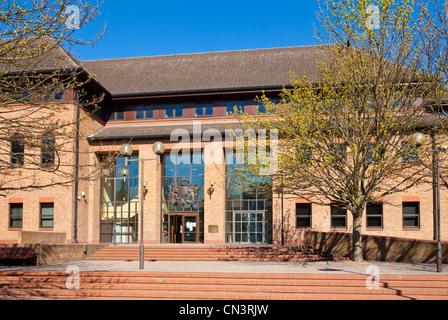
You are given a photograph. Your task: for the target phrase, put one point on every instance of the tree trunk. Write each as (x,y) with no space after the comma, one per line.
(357,241)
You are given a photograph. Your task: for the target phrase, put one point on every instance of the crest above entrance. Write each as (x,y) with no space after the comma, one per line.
(183,192)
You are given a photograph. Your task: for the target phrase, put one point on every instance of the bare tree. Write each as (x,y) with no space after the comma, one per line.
(43,96)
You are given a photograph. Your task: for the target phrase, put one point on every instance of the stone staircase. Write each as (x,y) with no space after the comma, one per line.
(293,253)
(217,286)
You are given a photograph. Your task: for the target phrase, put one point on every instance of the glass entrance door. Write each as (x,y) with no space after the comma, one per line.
(175,229)
(190,229)
(183,228)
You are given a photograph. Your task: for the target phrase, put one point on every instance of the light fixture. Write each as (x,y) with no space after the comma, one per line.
(145,191)
(158,148)
(124,172)
(417,139)
(211,189)
(126,150)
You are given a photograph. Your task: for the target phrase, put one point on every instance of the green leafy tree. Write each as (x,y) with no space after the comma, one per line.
(344,135)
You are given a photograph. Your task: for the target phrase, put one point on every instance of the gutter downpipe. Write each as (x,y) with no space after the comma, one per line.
(75,204)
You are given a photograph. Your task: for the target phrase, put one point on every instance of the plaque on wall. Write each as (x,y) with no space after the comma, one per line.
(213,228)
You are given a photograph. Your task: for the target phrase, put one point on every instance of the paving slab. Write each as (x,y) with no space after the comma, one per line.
(321,267)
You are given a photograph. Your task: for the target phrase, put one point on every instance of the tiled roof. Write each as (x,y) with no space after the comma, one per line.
(161,130)
(41,55)
(205,72)
(164,130)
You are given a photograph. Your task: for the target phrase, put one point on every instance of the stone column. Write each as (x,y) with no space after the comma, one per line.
(151,175)
(214,204)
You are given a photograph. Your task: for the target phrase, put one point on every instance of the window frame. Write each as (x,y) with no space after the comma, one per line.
(203,108)
(14,217)
(48,150)
(145,111)
(333,215)
(17,153)
(240,104)
(41,216)
(305,217)
(417,215)
(410,152)
(375,215)
(117,114)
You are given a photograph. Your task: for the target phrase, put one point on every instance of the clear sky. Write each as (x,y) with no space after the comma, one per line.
(144,28)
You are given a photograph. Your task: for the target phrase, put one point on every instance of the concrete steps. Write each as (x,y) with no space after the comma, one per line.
(214,253)
(216,286)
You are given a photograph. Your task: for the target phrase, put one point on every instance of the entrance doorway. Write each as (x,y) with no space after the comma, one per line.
(183,228)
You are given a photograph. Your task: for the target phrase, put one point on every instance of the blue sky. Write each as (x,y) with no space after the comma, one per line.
(146,28)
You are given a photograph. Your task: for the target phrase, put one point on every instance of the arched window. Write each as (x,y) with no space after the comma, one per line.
(17,149)
(47,150)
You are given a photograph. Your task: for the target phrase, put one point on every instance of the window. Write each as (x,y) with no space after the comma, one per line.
(340,151)
(178,110)
(411,214)
(203,110)
(58,95)
(149,112)
(338,216)
(232,105)
(374,214)
(144,112)
(46,215)
(303,154)
(248,206)
(169,111)
(410,152)
(17,149)
(370,156)
(15,215)
(303,215)
(47,150)
(118,114)
(53,94)
(262,106)
(174,111)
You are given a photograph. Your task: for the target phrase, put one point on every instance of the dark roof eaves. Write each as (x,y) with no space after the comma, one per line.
(227,90)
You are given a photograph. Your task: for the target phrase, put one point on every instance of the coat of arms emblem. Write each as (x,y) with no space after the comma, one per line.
(183,192)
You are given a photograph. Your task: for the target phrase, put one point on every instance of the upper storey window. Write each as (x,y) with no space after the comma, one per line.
(234,106)
(174,110)
(144,112)
(201,110)
(118,114)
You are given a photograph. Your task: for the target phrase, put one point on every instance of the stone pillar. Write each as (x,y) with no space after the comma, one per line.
(214,204)
(152,201)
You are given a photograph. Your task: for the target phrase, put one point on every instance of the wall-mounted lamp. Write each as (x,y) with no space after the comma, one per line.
(145,191)
(211,189)
(83,195)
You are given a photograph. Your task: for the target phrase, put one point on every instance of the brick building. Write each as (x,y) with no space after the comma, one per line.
(159,98)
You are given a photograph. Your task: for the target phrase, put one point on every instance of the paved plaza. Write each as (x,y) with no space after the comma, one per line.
(324,267)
